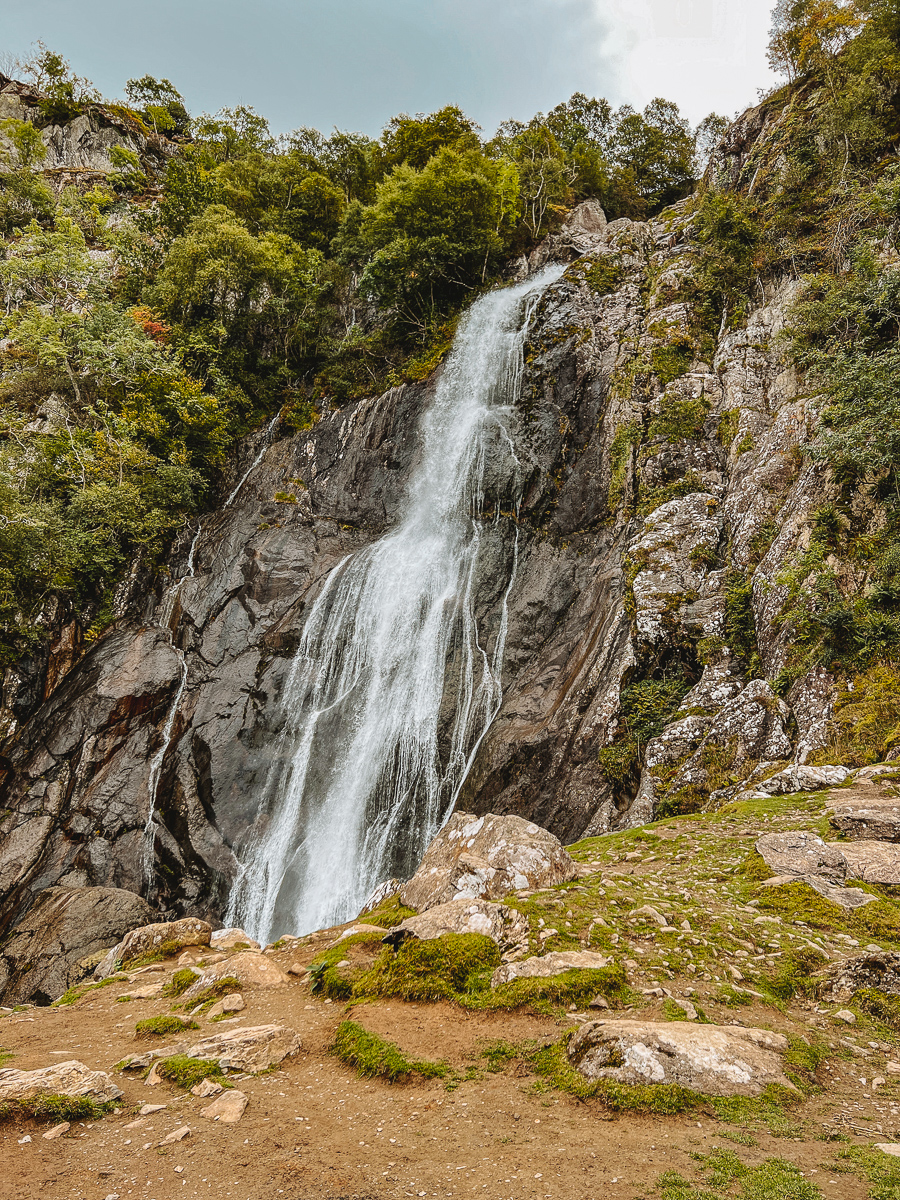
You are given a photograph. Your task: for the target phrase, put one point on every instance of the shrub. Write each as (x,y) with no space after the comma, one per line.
(187,1072)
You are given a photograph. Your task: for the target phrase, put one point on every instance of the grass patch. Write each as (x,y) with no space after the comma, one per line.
(180,982)
(572,987)
(800,902)
(373,1056)
(445,968)
(207,998)
(161,1026)
(55,1109)
(162,951)
(5,1055)
(773,1179)
(186,1072)
(75,993)
(875,1167)
(882,1007)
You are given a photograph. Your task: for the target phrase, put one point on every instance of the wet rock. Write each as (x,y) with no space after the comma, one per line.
(872,862)
(801,853)
(227,1108)
(70,1078)
(879,970)
(508,928)
(718,1060)
(232,939)
(252,1049)
(384,891)
(167,937)
(251,968)
(555,963)
(45,954)
(486,858)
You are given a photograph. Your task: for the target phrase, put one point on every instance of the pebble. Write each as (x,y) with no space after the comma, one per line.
(25,1140)
(57,1131)
(845,1015)
(177,1135)
(147,1109)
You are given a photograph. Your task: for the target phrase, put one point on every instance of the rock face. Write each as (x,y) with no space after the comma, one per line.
(254,1049)
(871,970)
(70,1078)
(54,946)
(486,858)
(872,862)
(719,1060)
(555,963)
(800,853)
(653,476)
(170,936)
(508,928)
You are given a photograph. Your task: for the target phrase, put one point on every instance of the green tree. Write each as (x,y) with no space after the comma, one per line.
(415,140)
(24,195)
(160,104)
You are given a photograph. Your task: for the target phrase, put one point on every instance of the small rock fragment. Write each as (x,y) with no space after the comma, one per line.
(227,1108)
(686,1007)
(57,1131)
(147,1109)
(232,1003)
(177,1135)
(892,1148)
(206,1087)
(845,1015)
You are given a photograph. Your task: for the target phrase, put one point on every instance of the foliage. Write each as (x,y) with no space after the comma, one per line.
(180,982)
(160,104)
(375,1057)
(441,968)
(645,708)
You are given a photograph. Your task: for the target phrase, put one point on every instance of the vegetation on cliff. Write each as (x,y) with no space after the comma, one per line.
(151,317)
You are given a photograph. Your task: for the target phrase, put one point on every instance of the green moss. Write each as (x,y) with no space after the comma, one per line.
(186,1072)
(727,427)
(557,991)
(389,913)
(551,1065)
(880,1005)
(325,977)
(624,440)
(75,993)
(645,708)
(161,1026)
(164,950)
(800,902)
(443,968)
(374,1057)
(180,982)
(773,1179)
(740,620)
(654,498)
(866,725)
(602,275)
(55,1109)
(746,444)
(878,1169)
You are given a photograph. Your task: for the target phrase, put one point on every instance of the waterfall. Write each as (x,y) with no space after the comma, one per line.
(394,685)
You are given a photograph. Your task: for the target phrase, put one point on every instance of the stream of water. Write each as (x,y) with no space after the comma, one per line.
(394,685)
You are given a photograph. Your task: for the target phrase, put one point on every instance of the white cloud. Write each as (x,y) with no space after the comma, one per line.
(707,55)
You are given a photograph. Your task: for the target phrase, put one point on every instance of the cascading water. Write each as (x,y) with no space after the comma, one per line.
(393,685)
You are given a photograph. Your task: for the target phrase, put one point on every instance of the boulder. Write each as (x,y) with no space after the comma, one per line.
(486,858)
(719,1060)
(800,778)
(167,937)
(253,1049)
(508,928)
(844,896)
(555,963)
(70,1078)
(45,954)
(227,1108)
(384,891)
(233,1003)
(232,939)
(800,853)
(872,862)
(249,966)
(879,822)
(843,980)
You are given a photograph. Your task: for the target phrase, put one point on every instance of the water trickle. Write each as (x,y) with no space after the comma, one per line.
(394,684)
(166,618)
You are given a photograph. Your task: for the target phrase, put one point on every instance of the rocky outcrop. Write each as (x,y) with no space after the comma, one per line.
(69,1078)
(505,926)
(719,1060)
(57,943)
(253,970)
(874,969)
(163,939)
(555,963)
(256,1048)
(486,858)
(801,853)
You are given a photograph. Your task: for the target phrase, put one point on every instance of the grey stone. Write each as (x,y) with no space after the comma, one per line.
(719,1060)
(871,861)
(798,852)
(254,1048)
(486,858)
(69,1078)
(555,963)
(505,926)
(45,954)
(149,939)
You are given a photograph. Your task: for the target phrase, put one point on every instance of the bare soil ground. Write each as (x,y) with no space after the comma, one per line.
(313,1130)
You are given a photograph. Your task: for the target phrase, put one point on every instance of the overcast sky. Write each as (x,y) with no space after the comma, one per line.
(355,63)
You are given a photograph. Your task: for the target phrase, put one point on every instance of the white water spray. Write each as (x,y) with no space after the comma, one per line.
(167,613)
(394,685)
